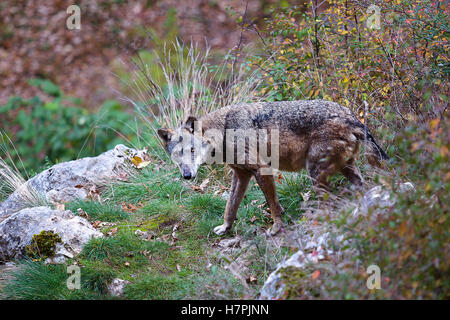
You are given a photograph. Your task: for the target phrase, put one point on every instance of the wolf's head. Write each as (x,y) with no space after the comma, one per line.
(187,149)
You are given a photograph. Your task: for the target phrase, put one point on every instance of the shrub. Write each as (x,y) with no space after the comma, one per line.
(409,240)
(58,129)
(394,77)
(333,52)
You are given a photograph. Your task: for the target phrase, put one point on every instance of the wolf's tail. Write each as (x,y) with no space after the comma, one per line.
(374,152)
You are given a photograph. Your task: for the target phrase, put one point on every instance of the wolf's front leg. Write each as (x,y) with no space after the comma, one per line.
(239,184)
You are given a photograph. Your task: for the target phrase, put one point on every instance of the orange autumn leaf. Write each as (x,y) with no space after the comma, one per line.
(402,228)
(444,151)
(315,274)
(434,123)
(415,146)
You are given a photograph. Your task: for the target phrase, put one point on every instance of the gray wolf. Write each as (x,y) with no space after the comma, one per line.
(321,136)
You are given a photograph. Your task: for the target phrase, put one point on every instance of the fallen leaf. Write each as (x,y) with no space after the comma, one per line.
(82,213)
(434,123)
(306,195)
(252,279)
(203,184)
(402,228)
(130,208)
(113,231)
(136,161)
(197,188)
(315,274)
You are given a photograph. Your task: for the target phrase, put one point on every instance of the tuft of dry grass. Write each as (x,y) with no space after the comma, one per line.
(13,181)
(191,86)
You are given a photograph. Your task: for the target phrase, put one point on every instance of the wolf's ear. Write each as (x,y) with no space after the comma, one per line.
(189,124)
(165,134)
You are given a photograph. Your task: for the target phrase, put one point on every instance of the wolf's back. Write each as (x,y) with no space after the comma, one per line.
(301,117)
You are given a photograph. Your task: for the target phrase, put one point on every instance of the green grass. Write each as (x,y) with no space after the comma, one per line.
(160,268)
(123,247)
(99,211)
(164,268)
(160,206)
(37,281)
(157,286)
(207,210)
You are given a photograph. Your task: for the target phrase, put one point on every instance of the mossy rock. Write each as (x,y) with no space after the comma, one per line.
(43,245)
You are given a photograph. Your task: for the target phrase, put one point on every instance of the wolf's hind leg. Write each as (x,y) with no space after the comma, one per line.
(239,184)
(326,157)
(322,162)
(351,172)
(267,185)
(320,173)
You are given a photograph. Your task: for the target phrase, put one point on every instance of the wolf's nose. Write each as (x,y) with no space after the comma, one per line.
(187,175)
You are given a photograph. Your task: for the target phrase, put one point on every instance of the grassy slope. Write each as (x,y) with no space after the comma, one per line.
(191,265)
(163,268)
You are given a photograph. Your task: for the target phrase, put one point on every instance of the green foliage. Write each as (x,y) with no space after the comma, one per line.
(99,211)
(160,206)
(122,248)
(39,281)
(95,277)
(402,68)
(291,189)
(208,211)
(219,284)
(410,243)
(58,129)
(43,245)
(156,287)
(395,79)
(408,240)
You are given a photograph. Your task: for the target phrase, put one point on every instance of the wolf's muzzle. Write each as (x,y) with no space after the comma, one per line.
(187,174)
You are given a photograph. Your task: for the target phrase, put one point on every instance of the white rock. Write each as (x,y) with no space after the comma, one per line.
(225,195)
(381,197)
(273,287)
(231,242)
(314,251)
(17,231)
(117,287)
(75,179)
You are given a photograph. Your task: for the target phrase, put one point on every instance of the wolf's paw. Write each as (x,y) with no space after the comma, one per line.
(277,226)
(220,230)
